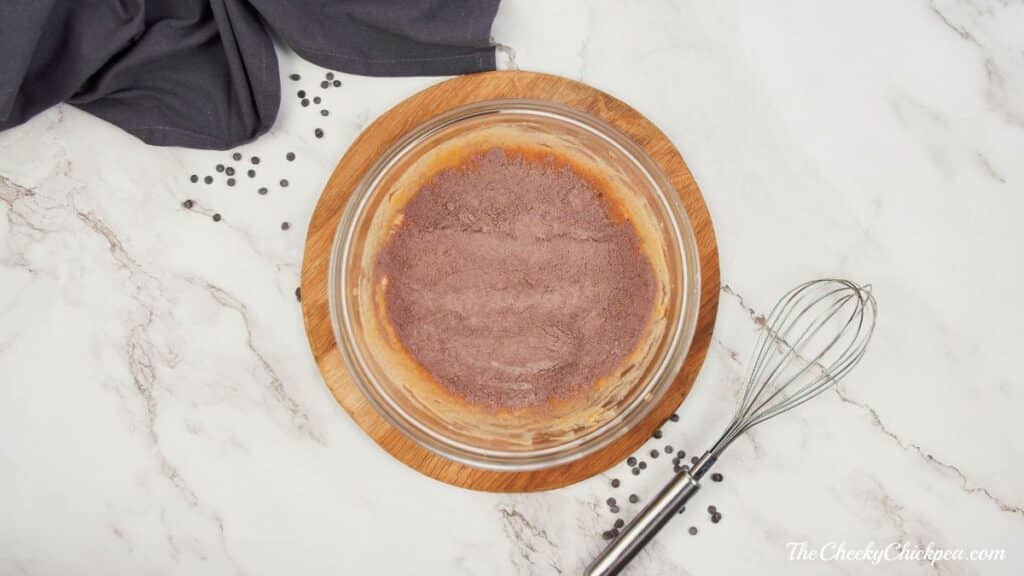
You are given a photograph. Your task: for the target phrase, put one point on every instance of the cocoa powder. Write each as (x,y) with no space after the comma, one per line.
(511,284)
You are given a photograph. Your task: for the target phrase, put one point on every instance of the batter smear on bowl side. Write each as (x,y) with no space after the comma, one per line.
(514,281)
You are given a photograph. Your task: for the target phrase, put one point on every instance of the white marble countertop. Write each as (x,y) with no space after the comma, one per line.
(160,412)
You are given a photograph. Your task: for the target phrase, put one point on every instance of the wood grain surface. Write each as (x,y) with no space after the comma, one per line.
(377,138)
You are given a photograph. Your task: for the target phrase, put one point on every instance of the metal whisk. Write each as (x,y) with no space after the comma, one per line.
(812,337)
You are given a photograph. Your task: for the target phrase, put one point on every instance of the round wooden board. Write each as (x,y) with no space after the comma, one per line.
(377,138)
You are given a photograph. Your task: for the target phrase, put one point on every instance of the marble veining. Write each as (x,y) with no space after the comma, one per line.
(160,412)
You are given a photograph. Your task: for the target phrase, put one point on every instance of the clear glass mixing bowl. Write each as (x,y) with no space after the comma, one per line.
(526,439)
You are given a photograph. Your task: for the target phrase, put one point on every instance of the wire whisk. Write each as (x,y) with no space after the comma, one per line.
(812,337)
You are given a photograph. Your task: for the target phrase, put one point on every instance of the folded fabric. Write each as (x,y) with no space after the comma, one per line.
(203,73)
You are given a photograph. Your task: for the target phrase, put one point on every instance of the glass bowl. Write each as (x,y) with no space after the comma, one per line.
(529,438)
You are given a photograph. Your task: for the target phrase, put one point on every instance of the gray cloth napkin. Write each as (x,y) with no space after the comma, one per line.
(203,73)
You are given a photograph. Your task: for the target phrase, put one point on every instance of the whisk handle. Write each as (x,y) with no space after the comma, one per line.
(645,526)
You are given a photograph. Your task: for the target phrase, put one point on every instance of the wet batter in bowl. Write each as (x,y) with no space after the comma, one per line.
(513,280)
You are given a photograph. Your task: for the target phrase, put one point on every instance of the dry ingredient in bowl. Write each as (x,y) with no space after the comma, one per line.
(512,284)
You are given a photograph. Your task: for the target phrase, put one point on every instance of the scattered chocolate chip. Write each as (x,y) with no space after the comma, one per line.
(681,454)
(681,510)
(285,225)
(284,183)
(255,160)
(668,449)
(325,84)
(607,535)
(674,417)
(298,294)
(631,461)
(693,530)
(330,76)
(262,191)
(712,509)
(305,102)
(615,482)
(301,93)
(290,156)
(657,433)
(318,133)
(337,83)
(633,498)
(231,181)
(188,204)
(216,217)
(636,471)
(317,100)
(693,460)
(193,178)
(615,532)
(324,112)
(620,523)
(643,465)
(230,171)
(654,453)
(295,77)
(613,509)
(716,518)
(236,156)
(208,180)
(610,501)
(251,173)
(220,167)
(716,477)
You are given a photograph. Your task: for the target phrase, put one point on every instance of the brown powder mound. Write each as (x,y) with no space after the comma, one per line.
(511,284)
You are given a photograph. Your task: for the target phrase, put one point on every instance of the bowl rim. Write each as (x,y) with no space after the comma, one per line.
(655,386)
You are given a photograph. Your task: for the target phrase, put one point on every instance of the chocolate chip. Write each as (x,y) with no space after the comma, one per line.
(668,449)
(633,498)
(301,93)
(693,460)
(220,167)
(188,204)
(298,293)
(295,77)
(636,471)
(712,509)
(305,102)
(716,477)
(613,509)
(231,181)
(620,523)
(290,156)
(325,84)
(230,171)
(284,183)
(251,173)
(216,217)
(693,530)
(607,535)
(657,434)
(615,482)
(610,501)
(255,160)
(330,75)
(643,465)
(631,461)
(208,180)
(681,454)
(674,417)
(318,133)
(337,83)
(681,510)
(654,453)
(324,112)
(262,191)
(285,225)
(716,518)
(615,532)
(237,156)
(193,178)
(317,100)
